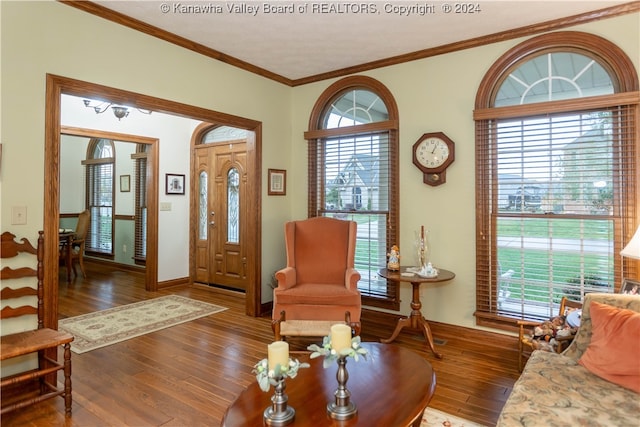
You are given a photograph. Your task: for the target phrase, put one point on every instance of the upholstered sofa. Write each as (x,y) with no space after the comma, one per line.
(557,390)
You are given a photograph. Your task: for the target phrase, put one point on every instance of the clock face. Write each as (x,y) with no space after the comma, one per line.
(432,152)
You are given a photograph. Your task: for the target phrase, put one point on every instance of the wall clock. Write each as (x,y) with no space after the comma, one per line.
(432,154)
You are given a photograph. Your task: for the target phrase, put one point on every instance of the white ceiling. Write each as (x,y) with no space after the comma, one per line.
(313,37)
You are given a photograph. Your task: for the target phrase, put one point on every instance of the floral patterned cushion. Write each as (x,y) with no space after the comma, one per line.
(554,390)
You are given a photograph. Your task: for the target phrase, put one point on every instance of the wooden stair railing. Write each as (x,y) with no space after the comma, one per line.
(33,341)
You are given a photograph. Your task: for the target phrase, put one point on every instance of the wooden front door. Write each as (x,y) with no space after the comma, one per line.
(221,199)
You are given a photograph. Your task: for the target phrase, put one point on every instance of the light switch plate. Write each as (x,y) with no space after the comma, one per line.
(18,215)
(165,206)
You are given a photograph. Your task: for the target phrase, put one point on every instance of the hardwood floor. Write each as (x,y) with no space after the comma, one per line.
(188,374)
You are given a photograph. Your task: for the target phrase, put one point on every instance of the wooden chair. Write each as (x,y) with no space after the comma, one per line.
(40,341)
(76,250)
(525,339)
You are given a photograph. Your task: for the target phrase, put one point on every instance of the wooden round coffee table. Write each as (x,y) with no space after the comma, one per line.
(392,387)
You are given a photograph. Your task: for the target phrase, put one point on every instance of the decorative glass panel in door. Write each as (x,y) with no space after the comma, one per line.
(233,206)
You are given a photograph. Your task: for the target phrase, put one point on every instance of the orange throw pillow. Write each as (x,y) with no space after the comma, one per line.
(613,353)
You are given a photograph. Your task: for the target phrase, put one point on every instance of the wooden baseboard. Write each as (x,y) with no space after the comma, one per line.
(266,309)
(384,320)
(174,282)
(115,265)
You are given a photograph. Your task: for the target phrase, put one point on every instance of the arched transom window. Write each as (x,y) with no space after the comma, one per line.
(553,76)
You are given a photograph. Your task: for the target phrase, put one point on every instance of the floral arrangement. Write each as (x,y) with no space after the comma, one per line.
(267,378)
(330,354)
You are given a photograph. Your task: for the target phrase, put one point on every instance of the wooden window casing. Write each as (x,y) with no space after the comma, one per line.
(382,134)
(140,167)
(100,182)
(619,111)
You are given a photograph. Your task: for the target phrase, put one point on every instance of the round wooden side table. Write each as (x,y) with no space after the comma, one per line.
(415,320)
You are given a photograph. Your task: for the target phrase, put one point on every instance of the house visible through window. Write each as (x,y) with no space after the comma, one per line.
(353,175)
(99,178)
(554,181)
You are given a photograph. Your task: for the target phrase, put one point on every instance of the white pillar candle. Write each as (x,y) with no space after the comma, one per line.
(278,353)
(340,337)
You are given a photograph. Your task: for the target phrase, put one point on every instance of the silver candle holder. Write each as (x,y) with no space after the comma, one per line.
(279,413)
(342,408)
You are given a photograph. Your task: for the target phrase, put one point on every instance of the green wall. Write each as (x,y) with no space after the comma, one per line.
(433,94)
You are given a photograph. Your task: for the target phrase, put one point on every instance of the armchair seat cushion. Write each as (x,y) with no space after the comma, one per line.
(310,312)
(318,294)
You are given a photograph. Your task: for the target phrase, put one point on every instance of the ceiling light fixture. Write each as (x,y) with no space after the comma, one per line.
(119,111)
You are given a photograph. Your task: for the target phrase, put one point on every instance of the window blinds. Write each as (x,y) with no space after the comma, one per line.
(140,221)
(100,180)
(553,207)
(352,177)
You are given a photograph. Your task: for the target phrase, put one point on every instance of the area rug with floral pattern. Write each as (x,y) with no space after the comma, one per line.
(117,324)
(434,418)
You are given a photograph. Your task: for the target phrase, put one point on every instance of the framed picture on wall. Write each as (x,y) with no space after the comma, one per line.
(277,182)
(174,184)
(125,183)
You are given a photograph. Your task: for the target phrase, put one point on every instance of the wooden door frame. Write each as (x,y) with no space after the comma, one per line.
(247,207)
(58,85)
(151,265)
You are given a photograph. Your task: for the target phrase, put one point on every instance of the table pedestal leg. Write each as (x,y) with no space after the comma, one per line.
(426,330)
(415,321)
(405,321)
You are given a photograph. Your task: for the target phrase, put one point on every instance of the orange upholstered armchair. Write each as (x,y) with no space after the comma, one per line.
(318,287)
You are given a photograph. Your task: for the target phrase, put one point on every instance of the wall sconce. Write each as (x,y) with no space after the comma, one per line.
(118,110)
